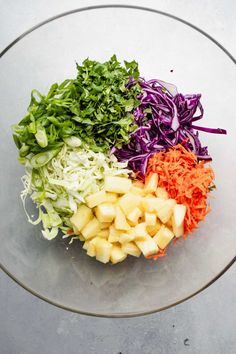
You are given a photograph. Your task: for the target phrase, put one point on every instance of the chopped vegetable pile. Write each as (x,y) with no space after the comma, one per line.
(115,161)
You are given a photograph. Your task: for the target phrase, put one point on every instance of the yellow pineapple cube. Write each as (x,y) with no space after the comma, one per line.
(115,184)
(103,250)
(114,234)
(127,236)
(103,233)
(134,216)
(140,231)
(151,183)
(148,246)
(131,249)
(128,202)
(163,237)
(165,212)
(81,218)
(96,199)
(161,193)
(111,197)
(150,219)
(105,212)
(120,220)
(91,229)
(91,250)
(117,254)
(152,230)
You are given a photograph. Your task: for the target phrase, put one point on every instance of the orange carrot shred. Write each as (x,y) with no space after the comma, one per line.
(186,180)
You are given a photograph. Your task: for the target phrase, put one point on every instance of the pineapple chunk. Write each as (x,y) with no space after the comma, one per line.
(103,250)
(152,204)
(104,225)
(166,211)
(150,219)
(138,184)
(81,238)
(96,199)
(117,184)
(94,240)
(103,233)
(137,191)
(179,214)
(105,212)
(131,249)
(127,236)
(134,216)
(85,245)
(120,220)
(81,218)
(117,254)
(91,229)
(91,250)
(111,197)
(161,193)
(152,230)
(128,202)
(151,183)
(163,237)
(140,231)
(147,246)
(114,234)
(177,230)
(169,223)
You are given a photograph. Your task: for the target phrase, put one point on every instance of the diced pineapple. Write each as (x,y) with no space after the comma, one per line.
(151,183)
(151,205)
(81,218)
(137,191)
(103,233)
(114,234)
(163,237)
(179,214)
(111,197)
(127,236)
(120,220)
(91,250)
(134,216)
(150,219)
(166,211)
(138,184)
(91,229)
(117,254)
(105,212)
(104,225)
(94,240)
(128,202)
(85,245)
(117,184)
(147,246)
(152,230)
(96,199)
(169,223)
(161,193)
(103,250)
(140,231)
(81,238)
(131,249)
(177,230)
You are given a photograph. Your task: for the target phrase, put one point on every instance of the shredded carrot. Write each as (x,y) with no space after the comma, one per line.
(186,180)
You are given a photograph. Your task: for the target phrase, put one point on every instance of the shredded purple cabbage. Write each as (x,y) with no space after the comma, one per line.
(164,118)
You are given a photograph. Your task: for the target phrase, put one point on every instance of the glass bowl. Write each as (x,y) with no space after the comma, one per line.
(166,48)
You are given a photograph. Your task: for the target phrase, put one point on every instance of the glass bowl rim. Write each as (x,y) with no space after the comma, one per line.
(132,7)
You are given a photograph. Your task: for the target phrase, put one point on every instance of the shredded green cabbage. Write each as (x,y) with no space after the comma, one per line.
(60,185)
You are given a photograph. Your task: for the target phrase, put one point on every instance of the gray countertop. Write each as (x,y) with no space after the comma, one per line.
(203,324)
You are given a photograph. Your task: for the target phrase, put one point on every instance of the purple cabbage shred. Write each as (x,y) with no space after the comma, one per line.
(164,118)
